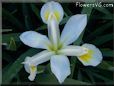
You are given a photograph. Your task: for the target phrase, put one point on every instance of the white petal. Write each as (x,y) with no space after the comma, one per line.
(73,28)
(60,66)
(29,69)
(33,72)
(26,66)
(39,58)
(73,50)
(34,39)
(32,76)
(51,7)
(96,56)
(35,60)
(53,30)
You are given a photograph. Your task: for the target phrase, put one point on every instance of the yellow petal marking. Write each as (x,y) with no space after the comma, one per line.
(46,15)
(33,68)
(57,15)
(87,57)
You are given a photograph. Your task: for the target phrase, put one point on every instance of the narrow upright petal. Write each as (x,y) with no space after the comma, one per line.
(60,66)
(53,31)
(93,57)
(51,7)
(73,50)
(73,28)
(34,39)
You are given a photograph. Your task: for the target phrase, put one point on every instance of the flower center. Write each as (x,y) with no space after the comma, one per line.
(52,48)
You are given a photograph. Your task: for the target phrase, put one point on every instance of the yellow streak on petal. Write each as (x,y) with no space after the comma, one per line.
(33,68)
(46,15)
(87,57)
(57,14)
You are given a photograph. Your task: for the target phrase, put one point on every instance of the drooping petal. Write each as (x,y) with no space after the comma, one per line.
(60,66)
(30,63)
(93,57)
(30,68)
(33,72)
(51,7)
(34,39)
(26,66)
(73,50)
(73,28)
(53,31)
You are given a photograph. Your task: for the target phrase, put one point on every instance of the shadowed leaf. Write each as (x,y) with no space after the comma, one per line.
(103,39)
(11,18)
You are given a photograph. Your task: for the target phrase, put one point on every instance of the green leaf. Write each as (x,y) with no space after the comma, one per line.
(106,66)
(107,52)
(64,20)
(79,77)
(103,10)
(69,81)
(40,69)
(9,40)
(6,30)
(43,27)
(6,67)
(95,74)
(18,79)
(73,65)
(44,0)
(17,66)
(67,10)
(100,77)
(12,45)
(99,30)
(89,74)
(6,37)
(79,40)
(11,18)
(26,16)
(103,39)
(7,57)
(46,79)
(105,17)
(49,79)
(36,11)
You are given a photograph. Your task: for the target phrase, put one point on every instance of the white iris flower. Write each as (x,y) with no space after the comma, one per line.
(58,47)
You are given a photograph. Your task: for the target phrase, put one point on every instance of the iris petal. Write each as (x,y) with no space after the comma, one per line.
(33,72)
(34,39)
(51,7)
(53,31)
(93,57)
(73,50)
(73,28)
(60,66)
(30,68)
(39,58)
